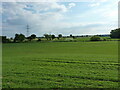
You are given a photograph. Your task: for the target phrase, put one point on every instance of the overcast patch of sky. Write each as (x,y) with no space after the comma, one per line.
(62,17)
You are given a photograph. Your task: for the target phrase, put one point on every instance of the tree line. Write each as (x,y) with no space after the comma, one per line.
(21,37)
(115,33)
(18,38)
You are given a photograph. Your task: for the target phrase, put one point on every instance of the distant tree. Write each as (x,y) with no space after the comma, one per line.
(115,33)
(104,39)
(86,35)
(46,36)
(19,38)
(60,35)
(33,36)
(39,40)
(29,38)
(16,37)
(53,36)
(95,38)
(5,40)
(58,38)
(71,35)
(11,38)
(50,37)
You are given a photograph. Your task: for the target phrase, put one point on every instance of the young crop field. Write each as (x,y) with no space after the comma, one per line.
(60,65)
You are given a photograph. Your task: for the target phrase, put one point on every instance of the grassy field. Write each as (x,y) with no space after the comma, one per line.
(60,65)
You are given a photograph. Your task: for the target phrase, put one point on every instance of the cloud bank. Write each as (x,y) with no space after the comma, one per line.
(54,17)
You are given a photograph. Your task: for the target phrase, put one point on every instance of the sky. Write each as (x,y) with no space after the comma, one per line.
(76,18)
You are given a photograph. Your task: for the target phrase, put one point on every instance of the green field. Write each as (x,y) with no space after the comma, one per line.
(60,65)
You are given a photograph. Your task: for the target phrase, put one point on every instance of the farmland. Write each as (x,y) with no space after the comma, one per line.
(60,65)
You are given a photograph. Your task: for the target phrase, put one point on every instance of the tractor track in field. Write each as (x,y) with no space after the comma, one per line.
(78,62)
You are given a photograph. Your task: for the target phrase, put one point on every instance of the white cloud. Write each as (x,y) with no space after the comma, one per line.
(71,5)
(46,6)
(49,17)
(94,4)
(40,16)
(99,0)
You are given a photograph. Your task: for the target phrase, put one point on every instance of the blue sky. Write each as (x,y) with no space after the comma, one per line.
(77,18)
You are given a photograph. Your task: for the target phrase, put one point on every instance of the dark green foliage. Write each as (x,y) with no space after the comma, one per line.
(58,38)
(5,40)
(39,40)
(19,38)
(29,38)
(70,35)
(49,37)
(104,39)
(73,37)
(53,36)
(46,36)
(33,36)
(95,38)
(60,35)
(115,33)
